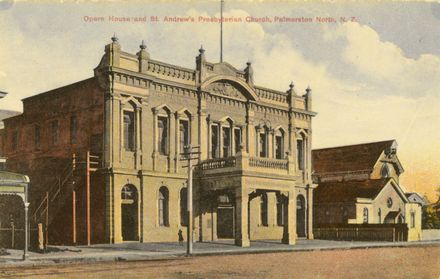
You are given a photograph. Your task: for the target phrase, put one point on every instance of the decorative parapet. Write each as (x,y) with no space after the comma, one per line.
(171,70)
(217,163)
(268,163)
(242,162)
(271,95)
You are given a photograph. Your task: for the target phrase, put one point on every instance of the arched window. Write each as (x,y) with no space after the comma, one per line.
(184,207)
(300,149)
(379,215)
(163,207)
(385,172)
(262,141)
(413,220)
(263,210)
(365,219)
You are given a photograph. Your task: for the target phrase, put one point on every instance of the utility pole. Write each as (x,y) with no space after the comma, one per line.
(188,156)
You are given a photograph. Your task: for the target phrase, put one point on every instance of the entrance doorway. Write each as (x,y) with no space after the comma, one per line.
(129,213)
(300,216)
(225,222)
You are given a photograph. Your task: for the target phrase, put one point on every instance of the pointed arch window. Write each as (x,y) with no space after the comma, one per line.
(365,216)
(300,153)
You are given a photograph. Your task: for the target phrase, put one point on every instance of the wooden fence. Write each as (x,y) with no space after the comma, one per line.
(362,232)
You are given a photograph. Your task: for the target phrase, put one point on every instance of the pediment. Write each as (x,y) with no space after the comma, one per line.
(227,89)
(224,69)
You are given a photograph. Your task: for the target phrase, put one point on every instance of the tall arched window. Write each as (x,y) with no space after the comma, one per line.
(300,149)
(163,207)
(365,217)
(263,210)
(184,207)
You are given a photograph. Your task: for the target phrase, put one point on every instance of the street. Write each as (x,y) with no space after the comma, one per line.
(408,262)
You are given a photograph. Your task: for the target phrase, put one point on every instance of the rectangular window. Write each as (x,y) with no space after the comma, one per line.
(14,142)
(55,132)
(163,135)
(279,147)
(280,212)
(129,130)
(37,137)
(184,135)
(263,210)
(73,129)
(226,135)
(237,139)
(413,220)
(215,141)
(300,150)
(263,145)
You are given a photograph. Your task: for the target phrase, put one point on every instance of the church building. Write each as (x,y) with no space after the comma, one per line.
(107,155)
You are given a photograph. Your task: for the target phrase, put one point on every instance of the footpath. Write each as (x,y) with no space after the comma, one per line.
(135,251)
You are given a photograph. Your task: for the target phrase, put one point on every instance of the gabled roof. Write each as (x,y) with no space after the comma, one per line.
(359,157)
(415,197)
(348,191)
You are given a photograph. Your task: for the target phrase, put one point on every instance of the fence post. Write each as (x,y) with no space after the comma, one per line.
(12,234)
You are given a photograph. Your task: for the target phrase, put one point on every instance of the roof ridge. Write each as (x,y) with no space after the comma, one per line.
(351,145)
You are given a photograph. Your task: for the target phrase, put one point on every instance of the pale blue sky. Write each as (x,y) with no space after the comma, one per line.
(375,79)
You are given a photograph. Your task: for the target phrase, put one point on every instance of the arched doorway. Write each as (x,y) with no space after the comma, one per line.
(129,213)
(300,216)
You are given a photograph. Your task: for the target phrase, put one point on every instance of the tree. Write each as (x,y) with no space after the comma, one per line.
(430,216)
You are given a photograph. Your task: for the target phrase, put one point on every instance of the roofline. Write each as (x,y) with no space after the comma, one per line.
(336,147)
(395,185)
(58,88)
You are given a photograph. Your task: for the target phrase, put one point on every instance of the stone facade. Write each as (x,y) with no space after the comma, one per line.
(253,174)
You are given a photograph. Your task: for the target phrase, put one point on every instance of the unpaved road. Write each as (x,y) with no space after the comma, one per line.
(411,262)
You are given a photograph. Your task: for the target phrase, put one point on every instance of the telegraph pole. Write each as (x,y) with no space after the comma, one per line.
(188,156)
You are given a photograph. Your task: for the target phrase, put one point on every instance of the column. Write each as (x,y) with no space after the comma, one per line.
(171,143)
(108,130)
(249,144)
(177,150)
(241,217)
(309,156)
(155,143)
(203,128)
(289,236)
(138,137)
(220,136)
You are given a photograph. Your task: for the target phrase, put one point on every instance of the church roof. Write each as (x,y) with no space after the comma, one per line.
(348,191)
(359,157)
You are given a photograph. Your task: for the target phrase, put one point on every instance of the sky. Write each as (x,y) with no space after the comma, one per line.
(374,68)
